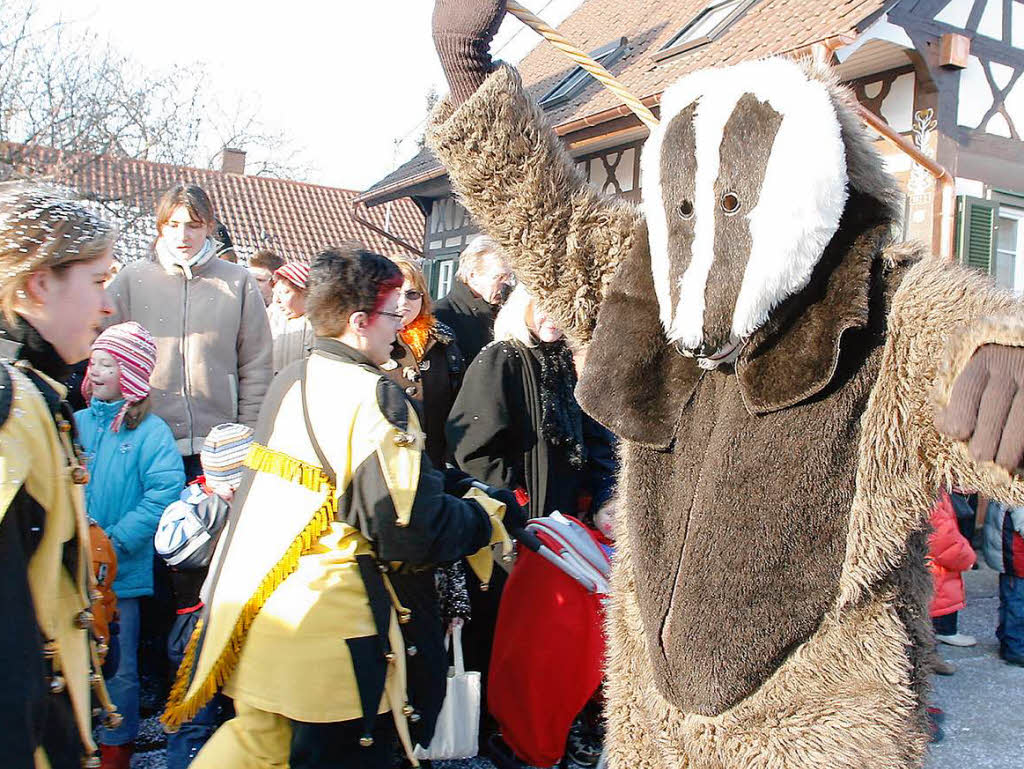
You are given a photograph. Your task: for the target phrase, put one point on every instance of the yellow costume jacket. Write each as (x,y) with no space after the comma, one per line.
(322,606)
(47,660)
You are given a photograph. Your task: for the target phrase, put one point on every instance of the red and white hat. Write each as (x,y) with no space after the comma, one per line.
(134,349)
(294,272)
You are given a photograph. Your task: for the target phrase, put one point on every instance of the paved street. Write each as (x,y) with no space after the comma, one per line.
(984,700)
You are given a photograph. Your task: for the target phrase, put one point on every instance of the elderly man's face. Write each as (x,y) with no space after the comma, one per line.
(491,279)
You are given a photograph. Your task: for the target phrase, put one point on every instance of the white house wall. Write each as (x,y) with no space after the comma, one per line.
(956,13)
(898,106)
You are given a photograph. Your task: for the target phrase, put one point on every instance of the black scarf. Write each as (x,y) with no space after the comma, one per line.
(562,422)
(33,348)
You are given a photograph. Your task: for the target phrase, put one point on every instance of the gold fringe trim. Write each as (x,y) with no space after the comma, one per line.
(179,709)
(265,460)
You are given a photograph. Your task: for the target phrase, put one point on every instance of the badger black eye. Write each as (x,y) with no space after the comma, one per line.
(730,203)
(685,210)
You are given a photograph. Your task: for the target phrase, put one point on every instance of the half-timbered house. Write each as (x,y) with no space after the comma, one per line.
(940,81)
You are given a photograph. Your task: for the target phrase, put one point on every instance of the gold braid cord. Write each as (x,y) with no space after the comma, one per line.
(260,458)
(606,78)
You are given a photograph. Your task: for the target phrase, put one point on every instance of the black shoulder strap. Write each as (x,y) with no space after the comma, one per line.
(324,464)
(6,394)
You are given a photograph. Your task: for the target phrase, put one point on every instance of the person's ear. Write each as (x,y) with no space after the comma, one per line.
(359,321)
(38,286)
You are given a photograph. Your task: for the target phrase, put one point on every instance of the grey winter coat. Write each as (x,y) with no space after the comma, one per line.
(1004,538)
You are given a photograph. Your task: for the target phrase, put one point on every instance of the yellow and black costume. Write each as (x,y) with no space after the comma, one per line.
(50,669)
(322,607)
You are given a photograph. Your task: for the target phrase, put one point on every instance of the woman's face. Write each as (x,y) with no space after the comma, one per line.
(68,306)
(184,235)
(410,303)
(290,298)
(543,326)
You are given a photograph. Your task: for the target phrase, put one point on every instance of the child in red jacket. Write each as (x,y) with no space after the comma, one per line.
(949,555)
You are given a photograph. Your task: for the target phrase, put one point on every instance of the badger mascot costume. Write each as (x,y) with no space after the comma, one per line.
(791,389)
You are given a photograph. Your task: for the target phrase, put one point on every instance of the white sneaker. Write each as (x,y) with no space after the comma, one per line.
(960,639)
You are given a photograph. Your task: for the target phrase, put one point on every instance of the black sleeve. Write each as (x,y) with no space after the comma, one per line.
(602,460)
(26,709)
(484,428)
(441,528)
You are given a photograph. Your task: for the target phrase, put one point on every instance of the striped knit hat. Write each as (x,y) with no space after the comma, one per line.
(223,455)
(133,348)
(294,272)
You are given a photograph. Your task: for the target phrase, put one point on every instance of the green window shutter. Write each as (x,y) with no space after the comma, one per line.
(429,274)
(976,232)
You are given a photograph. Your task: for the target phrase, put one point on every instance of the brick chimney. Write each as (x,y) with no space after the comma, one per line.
(232,161)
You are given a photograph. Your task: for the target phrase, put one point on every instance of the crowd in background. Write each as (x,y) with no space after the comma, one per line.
(170,393)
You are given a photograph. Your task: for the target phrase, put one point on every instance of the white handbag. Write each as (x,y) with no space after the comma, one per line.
(458,725)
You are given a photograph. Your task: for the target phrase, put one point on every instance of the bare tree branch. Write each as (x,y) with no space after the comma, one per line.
(64,89)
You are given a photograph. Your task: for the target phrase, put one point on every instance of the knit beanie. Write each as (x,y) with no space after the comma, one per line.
(294,272)
(223,456)
(132,346)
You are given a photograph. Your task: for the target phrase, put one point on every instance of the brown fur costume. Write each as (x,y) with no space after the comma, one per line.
(769,594)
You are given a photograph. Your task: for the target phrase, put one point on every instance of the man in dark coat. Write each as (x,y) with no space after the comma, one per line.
(481,284)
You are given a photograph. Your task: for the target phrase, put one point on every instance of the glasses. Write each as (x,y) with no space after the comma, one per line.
(412,295)
(393,315)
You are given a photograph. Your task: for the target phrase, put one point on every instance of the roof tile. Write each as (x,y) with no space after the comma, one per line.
(294,219)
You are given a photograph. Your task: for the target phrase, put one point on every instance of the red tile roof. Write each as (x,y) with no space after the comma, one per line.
(294,219)
(768,27)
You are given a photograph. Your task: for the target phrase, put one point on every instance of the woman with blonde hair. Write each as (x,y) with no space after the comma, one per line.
(55,256)
(516,425)
(426,361)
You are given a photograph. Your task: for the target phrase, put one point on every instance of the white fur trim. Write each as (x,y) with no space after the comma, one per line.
(801,201)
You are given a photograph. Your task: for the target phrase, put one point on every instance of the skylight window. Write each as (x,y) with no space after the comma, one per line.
(577,80)
(710,23)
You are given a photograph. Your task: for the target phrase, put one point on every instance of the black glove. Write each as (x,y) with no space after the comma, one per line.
(515,517)
(457,482)
(463,30)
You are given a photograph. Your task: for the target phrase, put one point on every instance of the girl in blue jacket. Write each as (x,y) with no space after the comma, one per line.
(135,472)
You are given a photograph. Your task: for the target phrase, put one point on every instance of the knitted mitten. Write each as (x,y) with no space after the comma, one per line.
(463,30)
(987,405)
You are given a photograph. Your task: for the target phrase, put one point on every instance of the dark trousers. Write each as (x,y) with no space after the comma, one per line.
(1010,631)
(946,624)
(478,635)
(185,744)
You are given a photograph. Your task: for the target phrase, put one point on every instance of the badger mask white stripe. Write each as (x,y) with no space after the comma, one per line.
(675,100)
(801,200)
(802,197)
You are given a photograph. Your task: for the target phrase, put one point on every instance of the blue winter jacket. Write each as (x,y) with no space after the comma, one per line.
(133,476)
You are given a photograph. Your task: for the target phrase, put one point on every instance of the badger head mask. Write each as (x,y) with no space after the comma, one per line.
(758,181)
(745,181)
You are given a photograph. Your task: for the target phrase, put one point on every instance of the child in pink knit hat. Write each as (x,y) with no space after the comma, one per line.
(135,472)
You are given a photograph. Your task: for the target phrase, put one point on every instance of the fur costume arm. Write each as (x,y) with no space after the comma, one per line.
(944,313)
(563,238)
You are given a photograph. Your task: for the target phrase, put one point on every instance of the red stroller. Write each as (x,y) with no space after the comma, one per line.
(549,643)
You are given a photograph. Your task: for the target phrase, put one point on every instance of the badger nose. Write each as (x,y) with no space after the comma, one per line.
(704,351)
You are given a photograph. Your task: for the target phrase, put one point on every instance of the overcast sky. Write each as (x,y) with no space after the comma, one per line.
(343,79)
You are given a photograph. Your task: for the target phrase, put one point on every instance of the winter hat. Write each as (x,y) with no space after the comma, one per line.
(223,455)
(294,272)
(223,238)
(132,346)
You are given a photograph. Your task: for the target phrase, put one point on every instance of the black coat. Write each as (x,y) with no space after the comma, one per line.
(495,435)
(469,316)
(431,384)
